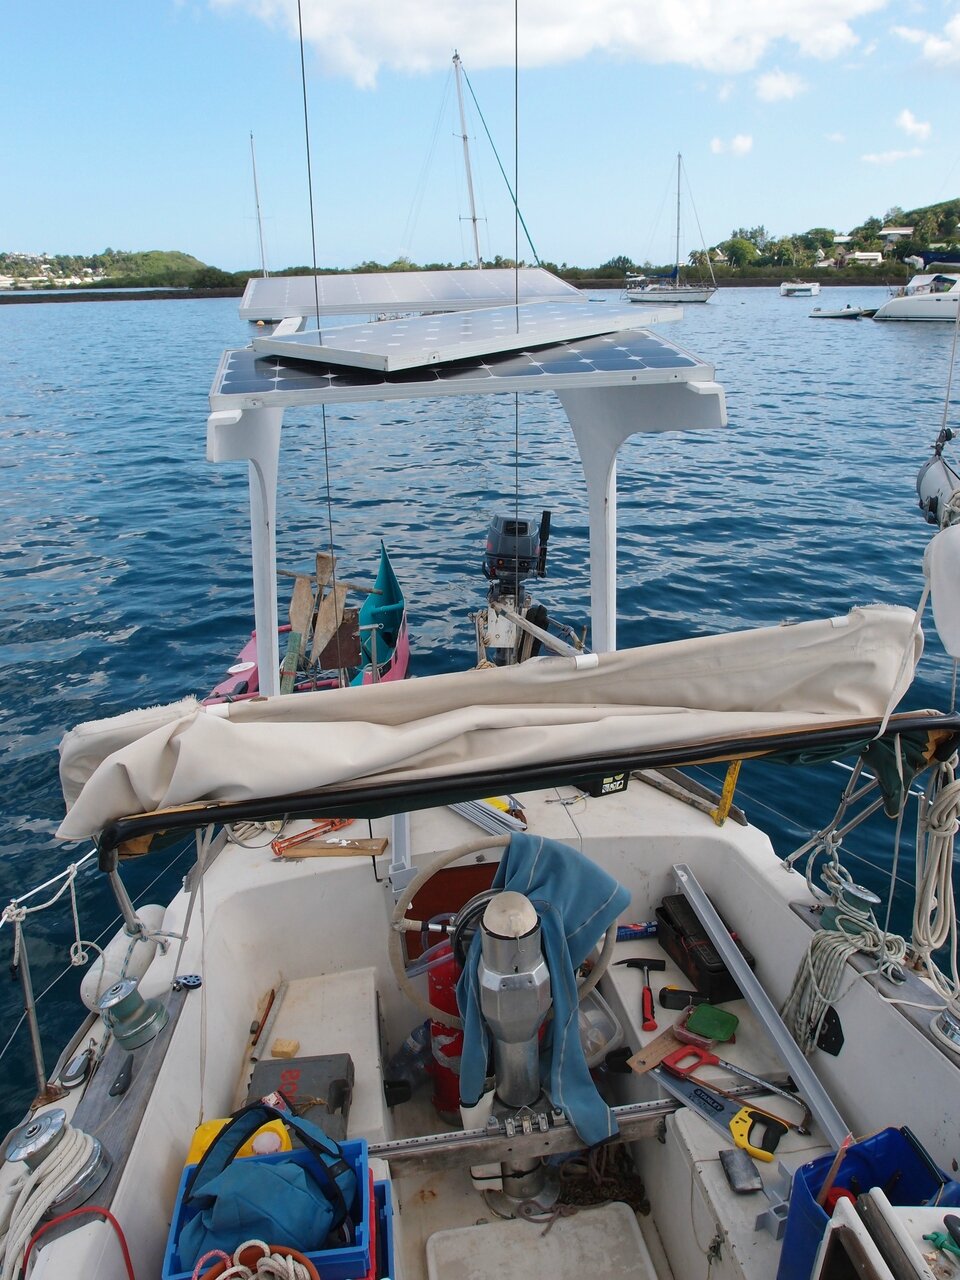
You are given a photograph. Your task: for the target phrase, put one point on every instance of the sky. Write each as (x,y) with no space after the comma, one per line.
(128,122)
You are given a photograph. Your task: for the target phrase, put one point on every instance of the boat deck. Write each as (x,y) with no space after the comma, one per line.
(438,1212)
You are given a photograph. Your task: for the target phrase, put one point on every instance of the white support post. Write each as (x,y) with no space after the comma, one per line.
(401,861)
(601,419)
(254,435)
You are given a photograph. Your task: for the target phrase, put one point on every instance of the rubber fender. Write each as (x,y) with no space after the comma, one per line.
(115,963)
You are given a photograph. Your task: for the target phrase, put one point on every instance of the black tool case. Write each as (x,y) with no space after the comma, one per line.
(319,1089)
(685,941)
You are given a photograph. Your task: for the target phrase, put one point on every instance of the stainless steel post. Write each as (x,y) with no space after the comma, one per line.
(46,1092)
(131,921)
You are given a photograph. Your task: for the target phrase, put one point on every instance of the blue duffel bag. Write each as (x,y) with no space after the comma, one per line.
(279,1201)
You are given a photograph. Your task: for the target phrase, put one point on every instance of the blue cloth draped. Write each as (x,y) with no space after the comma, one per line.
(576,901)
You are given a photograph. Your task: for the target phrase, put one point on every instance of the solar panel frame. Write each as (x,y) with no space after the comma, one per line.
(365,293)
(246,379)
(416,341)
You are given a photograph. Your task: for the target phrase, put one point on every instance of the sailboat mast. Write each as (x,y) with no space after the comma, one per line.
(677,264)
(256,196)
(466,161)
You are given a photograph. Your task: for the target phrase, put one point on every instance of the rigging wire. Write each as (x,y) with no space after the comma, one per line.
(316,295)
(306,135)
(950,369)
(511,190)
(416,204)
(696,218)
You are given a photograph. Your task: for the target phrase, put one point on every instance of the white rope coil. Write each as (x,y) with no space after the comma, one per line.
(35,1192)
(935,913)
(817,985)
(270,1266)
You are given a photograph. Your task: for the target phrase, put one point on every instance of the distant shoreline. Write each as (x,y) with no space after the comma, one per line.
(195,295)
(131,295)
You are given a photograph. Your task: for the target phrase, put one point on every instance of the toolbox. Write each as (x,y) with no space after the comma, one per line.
(685,941)
(319,1088)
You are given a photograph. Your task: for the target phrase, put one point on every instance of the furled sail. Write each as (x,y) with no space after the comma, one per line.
(744,685)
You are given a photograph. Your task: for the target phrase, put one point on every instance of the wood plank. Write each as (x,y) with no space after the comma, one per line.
(363,847)
(344,648)
(117,1121)
(325,566)
(329,617)
(302,605)
(653,1053)
(288,668)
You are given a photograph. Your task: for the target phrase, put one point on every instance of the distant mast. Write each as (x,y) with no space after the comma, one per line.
(256,196)
(676,275)
(466,161)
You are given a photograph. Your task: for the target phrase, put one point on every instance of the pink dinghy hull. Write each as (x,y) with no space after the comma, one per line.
(242,681)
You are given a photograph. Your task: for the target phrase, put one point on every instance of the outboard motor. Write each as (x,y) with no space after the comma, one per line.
(514,1000)
(515,550)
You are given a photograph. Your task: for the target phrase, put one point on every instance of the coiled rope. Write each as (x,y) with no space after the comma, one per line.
(276,1266)
(935,912)
(817,985)
(35,1192)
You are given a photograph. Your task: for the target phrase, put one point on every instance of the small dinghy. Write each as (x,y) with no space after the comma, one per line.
(836,313)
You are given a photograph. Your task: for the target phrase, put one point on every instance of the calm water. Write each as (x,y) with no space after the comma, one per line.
(125,571)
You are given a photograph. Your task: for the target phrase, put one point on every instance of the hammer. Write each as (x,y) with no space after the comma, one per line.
(646,1002)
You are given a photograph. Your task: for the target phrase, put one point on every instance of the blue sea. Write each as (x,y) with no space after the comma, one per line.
(125,568)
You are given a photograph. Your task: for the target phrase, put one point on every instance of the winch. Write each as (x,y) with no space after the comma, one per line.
(35,1143)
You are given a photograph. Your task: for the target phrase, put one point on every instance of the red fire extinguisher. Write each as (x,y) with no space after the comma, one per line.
(445,1042)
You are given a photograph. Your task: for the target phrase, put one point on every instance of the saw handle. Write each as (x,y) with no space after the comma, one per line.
(677,1061)
(744,1126)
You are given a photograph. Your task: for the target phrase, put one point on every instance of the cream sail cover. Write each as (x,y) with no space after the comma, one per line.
(687,693)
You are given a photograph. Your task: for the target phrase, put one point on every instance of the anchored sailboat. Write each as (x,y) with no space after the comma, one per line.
(671,287)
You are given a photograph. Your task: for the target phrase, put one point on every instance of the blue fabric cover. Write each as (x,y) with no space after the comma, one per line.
(577,902)
(280,1201)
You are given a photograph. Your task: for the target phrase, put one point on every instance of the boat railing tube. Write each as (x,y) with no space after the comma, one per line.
(385,798)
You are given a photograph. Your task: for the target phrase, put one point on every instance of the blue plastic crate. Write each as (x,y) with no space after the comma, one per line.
(888,1159)
(383,1199)
(348,1262)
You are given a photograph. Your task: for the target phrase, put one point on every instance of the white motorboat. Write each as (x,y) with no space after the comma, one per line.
(930,296)
(799,288)
(327,853)
(836,313)
(672,287)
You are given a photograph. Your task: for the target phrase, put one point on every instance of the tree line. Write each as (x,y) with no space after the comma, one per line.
(749,252)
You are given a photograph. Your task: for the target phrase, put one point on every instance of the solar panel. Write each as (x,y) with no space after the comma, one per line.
(409,343)
(367,293)
(246,378)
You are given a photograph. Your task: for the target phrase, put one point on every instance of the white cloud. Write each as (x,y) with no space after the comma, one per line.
(835,137)
(777,85)
(909,123)
(738,145)
(356,38)
(891,157)
(942,50)
(725,92)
